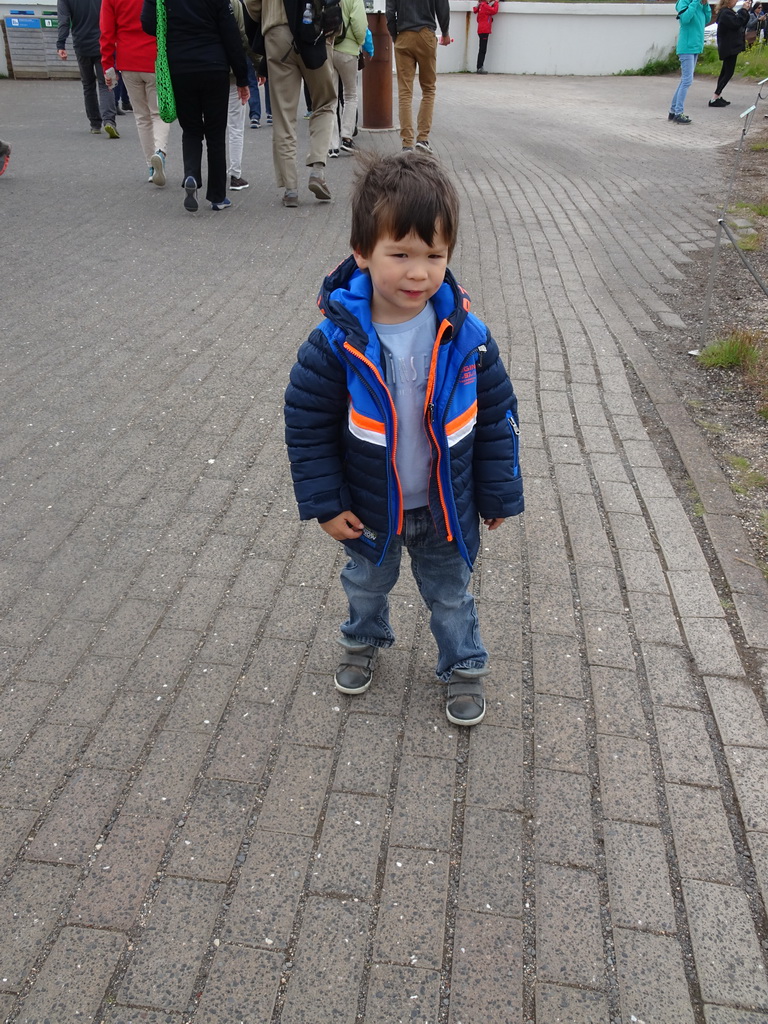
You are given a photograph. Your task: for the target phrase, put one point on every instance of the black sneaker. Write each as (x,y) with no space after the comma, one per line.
(355,670)
(719,102)
(424,145)
(236,184)
(671,116)
(190,199)
(465,700)
(347,146)
(682,119)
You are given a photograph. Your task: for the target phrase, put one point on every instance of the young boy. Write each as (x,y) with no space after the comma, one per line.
(401,425)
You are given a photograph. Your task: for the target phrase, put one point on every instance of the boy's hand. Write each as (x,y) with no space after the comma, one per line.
(493,524)
(344,527)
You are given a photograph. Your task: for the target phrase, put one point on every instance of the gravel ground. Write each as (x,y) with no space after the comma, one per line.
(722,402)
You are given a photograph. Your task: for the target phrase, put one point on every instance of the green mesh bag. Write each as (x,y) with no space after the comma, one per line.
(166,101)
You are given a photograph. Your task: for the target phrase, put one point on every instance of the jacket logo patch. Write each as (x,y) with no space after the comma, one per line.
(369,534)
(468,375)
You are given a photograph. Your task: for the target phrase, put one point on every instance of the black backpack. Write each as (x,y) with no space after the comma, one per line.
(313,21)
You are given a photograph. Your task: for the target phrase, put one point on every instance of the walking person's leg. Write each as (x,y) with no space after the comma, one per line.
(160,129)
(254,102)
(405,66)
(347,68)
(333,143)
(426,58)
(189,110)
(267,102)
(236,117)
(215,108)
(88,80)
(323,91)
(107,104)
(135,80)
(284,89)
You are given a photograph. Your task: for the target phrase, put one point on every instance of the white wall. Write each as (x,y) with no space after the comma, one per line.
(562,39)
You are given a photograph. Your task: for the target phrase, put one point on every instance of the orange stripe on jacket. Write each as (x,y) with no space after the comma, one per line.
(365,423)
(461,421)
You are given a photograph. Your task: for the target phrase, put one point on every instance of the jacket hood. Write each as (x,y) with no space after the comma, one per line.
(345,299)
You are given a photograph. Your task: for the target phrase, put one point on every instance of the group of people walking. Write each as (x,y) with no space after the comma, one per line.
(218,53)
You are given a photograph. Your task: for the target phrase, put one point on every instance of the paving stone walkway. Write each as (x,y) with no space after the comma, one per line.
(194,826)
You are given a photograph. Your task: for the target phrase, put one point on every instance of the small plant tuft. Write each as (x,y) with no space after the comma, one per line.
(738,349)
(746,478)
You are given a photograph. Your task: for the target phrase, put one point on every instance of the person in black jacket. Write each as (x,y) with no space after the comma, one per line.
(82,16)
(731,26)
(203,43)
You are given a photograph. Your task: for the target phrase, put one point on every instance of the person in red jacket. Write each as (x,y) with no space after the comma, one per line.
(485,12)
(126,46)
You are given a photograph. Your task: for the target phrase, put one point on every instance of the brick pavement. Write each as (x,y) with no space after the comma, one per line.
(195,826)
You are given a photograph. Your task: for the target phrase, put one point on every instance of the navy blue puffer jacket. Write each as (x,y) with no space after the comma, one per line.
(341,425)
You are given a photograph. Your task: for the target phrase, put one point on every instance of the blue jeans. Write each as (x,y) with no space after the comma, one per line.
(442,577)
(254,103)
(687,64)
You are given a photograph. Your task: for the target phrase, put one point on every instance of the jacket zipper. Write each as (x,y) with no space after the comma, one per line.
(515,429)
(430,410)
(374,369)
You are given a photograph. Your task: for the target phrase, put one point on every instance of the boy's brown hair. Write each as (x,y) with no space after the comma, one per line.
(403,192)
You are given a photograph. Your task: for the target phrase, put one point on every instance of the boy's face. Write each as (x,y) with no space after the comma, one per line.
(405,274)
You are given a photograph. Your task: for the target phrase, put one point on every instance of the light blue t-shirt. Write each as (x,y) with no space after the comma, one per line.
(406,353)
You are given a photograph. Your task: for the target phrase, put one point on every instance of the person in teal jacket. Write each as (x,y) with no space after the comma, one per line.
(693,16)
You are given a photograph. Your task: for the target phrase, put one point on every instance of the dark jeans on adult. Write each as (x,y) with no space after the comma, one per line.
(102,110)
(726,73)
(254,103)
(483,36)
(202,102)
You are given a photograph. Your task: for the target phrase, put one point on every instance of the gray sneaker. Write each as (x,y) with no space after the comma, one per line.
(355,670)
(318,186)
(465,700)
(423,144)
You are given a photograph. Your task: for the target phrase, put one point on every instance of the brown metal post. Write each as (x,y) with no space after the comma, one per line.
(377,77)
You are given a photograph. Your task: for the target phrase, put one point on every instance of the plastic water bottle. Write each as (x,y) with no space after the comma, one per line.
(307,19)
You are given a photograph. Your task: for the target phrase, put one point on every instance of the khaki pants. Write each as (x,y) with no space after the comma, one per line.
(286,70)
(412,50)
(152,130)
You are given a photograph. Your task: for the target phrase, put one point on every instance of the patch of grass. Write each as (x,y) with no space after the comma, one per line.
(710,426)
(747,479)
(749,243)
(761,209)
(753,63)
(738,349)
(658,66)
(747,352)
(759,147)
